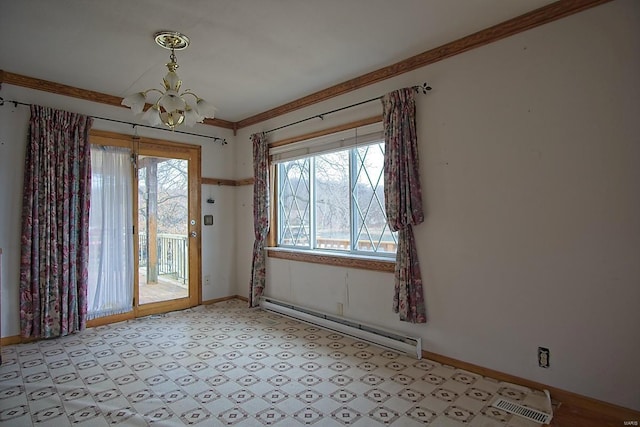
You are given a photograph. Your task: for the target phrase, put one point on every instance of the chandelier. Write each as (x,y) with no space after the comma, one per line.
(172,107)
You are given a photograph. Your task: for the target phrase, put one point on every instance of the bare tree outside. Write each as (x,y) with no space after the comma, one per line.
(333,224)
(163,217)
(371,227)
(348,189)
(294,200)
(172,179)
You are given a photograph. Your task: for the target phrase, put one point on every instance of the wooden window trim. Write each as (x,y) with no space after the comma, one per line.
(317,256)
(273,170)
(346,260)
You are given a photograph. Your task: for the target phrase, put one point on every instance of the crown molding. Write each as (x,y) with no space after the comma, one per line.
(84,94)
(549,13)
(59,88)
(535,18)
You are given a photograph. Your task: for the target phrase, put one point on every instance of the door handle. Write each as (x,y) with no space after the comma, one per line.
(193,234)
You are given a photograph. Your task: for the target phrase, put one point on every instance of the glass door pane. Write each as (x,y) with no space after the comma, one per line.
(163,227)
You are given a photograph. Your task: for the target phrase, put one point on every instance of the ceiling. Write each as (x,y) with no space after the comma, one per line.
(246,56)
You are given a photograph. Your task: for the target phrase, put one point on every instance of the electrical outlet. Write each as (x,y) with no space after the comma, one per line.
(543,357)
(340,309)
(207,280)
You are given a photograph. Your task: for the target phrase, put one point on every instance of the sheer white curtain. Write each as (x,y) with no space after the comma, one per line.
(110,289)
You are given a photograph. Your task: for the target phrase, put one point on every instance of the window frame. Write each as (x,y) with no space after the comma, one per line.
(384,261)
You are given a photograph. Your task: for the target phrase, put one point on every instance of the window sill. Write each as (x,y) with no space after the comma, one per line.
(339,260)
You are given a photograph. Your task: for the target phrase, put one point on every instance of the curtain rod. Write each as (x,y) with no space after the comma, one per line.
(424,88)
(222,141)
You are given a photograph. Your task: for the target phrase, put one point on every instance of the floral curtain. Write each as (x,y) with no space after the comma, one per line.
(260,216)
(403,200)
(55,224)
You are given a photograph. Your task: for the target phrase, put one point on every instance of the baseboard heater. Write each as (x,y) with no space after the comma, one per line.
(385,338)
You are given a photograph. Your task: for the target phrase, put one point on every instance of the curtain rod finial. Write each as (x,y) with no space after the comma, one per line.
(424,88)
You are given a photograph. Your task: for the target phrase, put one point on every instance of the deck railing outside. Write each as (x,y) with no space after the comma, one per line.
(172,255)
(345,245)
(173,252)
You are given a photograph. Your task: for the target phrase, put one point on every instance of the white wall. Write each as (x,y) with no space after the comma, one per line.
(218,242)
(529,159)
(218,260)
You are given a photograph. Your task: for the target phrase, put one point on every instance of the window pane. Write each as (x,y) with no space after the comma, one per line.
(332,201)
(293,199)
(371,229)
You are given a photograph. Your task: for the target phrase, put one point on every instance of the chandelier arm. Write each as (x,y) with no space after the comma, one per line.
(153,90)
(188,92)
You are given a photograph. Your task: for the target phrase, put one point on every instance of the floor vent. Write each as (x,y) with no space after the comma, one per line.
(373,334)
(522,411)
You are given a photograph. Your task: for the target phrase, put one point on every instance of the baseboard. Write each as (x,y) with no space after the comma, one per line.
(607,410)
(107,320)
(222,299)
(15,339)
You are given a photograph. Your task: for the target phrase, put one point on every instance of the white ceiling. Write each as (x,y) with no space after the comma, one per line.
(246,56)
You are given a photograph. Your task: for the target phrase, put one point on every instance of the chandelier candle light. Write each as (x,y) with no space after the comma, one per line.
(172,107)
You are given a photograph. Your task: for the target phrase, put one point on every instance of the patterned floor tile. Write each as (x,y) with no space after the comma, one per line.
(459,414)
(377,395)
(496,414)
(48,415)
(13,413)
(233,416)
(270,416)
(346,416)
(84,414)
(225,364)
(275,396)
(384,415)
(120,415)
(308,416)
(309,396)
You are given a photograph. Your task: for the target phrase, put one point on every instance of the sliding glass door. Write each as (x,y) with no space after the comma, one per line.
(159,212)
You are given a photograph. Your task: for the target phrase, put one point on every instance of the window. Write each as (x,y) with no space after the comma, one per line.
(330,195)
